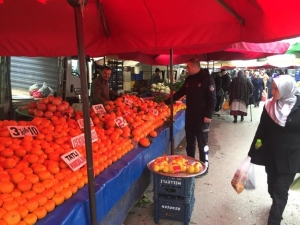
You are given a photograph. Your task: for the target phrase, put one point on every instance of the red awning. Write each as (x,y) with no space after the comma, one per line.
(47,27)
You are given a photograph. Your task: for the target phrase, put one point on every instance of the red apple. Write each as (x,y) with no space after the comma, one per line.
(48,114)
(60,108)
(32,105)
(56,101)
(31,111)
(51,107)
(41,106)
(38,113)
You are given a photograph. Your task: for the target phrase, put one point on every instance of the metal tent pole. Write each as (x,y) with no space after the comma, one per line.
(171,101)
(85,109)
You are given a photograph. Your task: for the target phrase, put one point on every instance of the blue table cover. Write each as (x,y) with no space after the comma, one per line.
(113,183)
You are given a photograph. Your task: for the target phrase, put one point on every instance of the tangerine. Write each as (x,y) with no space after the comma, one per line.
(12,217)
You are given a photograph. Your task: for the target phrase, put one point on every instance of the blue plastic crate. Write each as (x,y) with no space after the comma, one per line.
(173,208)
(183,187)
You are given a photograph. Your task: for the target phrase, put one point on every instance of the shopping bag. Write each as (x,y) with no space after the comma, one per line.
(240,176)
(250,182)
(226,105)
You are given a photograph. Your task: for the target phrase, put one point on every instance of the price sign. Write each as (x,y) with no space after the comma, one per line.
(154,111)
(178,102)
(126,113)
(99,109)
(120,122)
(74,159)
(21,131)
(81,123)
(79,140)
(128,101)
(142,99)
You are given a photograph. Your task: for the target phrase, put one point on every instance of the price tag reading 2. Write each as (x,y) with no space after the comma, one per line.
(99,109)
(21,131)
(128,101)
(120,122)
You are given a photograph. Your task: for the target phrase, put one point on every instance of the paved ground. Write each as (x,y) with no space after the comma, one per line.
(216,201)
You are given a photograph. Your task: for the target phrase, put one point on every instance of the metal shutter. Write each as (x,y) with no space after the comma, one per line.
(26,71)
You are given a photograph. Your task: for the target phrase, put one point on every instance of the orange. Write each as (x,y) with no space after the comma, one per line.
(27,171)
(22,210)
(6,187)
(60,176)
(31,205)
(2,212)
(49,193)
(30,219)
(71,179)
(20,152)
(64,183)
(79,183)
(58,199)
(40,212)
(57,188)
(32,158)
(54,169)
(50,205)
(67,193)
(41,199)
(73,188)
(33,178)
(12,217)
(29,194)
(4,177)
(153,133)
(24,185)
(10,205)
(7,197)
(21,200)
(38,188)
(17,177)
(44,175)
(9,163)
(145,142)
(47,183)
(16,193)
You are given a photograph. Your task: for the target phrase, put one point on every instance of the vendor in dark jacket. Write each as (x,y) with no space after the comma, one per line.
(199,88)
(279,131)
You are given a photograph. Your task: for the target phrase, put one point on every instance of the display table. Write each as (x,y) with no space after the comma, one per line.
(119,186)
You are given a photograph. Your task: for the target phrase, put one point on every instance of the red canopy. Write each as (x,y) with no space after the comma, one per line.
(47,27)
(237,51)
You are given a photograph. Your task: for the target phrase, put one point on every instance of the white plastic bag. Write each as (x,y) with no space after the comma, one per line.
(241,175)
(33,88)
(250,183)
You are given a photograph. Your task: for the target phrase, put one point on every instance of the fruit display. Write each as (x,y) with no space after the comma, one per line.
(175,164)
(50,106)
(35,178)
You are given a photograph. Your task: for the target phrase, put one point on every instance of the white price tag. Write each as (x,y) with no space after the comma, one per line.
(81,123)
(120,122)
(142,99)
(178,102)
(79,140)
(99,109)
(21,131)
(74,159)
(128,101)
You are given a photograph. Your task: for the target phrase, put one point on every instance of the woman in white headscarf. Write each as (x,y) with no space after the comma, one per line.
(279,131)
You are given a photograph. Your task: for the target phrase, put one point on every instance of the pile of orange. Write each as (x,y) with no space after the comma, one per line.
(33,177)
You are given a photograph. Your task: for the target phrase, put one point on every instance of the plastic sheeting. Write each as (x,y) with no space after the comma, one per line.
(115,181)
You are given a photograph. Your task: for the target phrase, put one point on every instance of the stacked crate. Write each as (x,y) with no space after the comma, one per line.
(173,198)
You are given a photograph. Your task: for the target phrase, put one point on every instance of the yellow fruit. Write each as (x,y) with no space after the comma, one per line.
(156,168)
(166,169)
(196,169)
(191,169)
(171,170)
(183,168)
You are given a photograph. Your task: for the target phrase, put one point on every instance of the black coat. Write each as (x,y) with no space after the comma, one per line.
(279,144)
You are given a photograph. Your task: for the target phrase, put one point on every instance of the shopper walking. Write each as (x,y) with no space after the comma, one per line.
(279,130)
(199,89)
(258,88)
(240,90)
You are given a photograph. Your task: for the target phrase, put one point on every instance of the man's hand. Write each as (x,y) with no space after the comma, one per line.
(207,120)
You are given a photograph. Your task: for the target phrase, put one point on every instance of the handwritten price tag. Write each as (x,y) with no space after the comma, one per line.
(21,131)
(81,123)
(128,101)
(74,159)
(99,109)
(120,122)
(79,140)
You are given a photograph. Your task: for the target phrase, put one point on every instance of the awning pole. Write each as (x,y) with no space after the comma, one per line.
(85,109)
(171,102)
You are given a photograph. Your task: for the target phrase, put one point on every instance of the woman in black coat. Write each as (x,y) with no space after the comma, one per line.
(279,131)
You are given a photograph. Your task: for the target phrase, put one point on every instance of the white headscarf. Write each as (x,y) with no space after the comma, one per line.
(279,110)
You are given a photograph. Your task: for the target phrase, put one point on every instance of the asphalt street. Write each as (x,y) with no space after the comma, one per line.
(216,202)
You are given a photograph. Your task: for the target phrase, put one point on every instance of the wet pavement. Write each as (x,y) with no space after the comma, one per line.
(216,202)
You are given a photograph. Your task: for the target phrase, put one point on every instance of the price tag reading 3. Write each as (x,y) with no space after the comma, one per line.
(21,131)
(99,109)
(120,122)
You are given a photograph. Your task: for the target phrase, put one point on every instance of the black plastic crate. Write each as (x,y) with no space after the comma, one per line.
(183,187)
(173,208)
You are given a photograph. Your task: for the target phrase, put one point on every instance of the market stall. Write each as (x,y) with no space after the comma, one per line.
(119,186)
